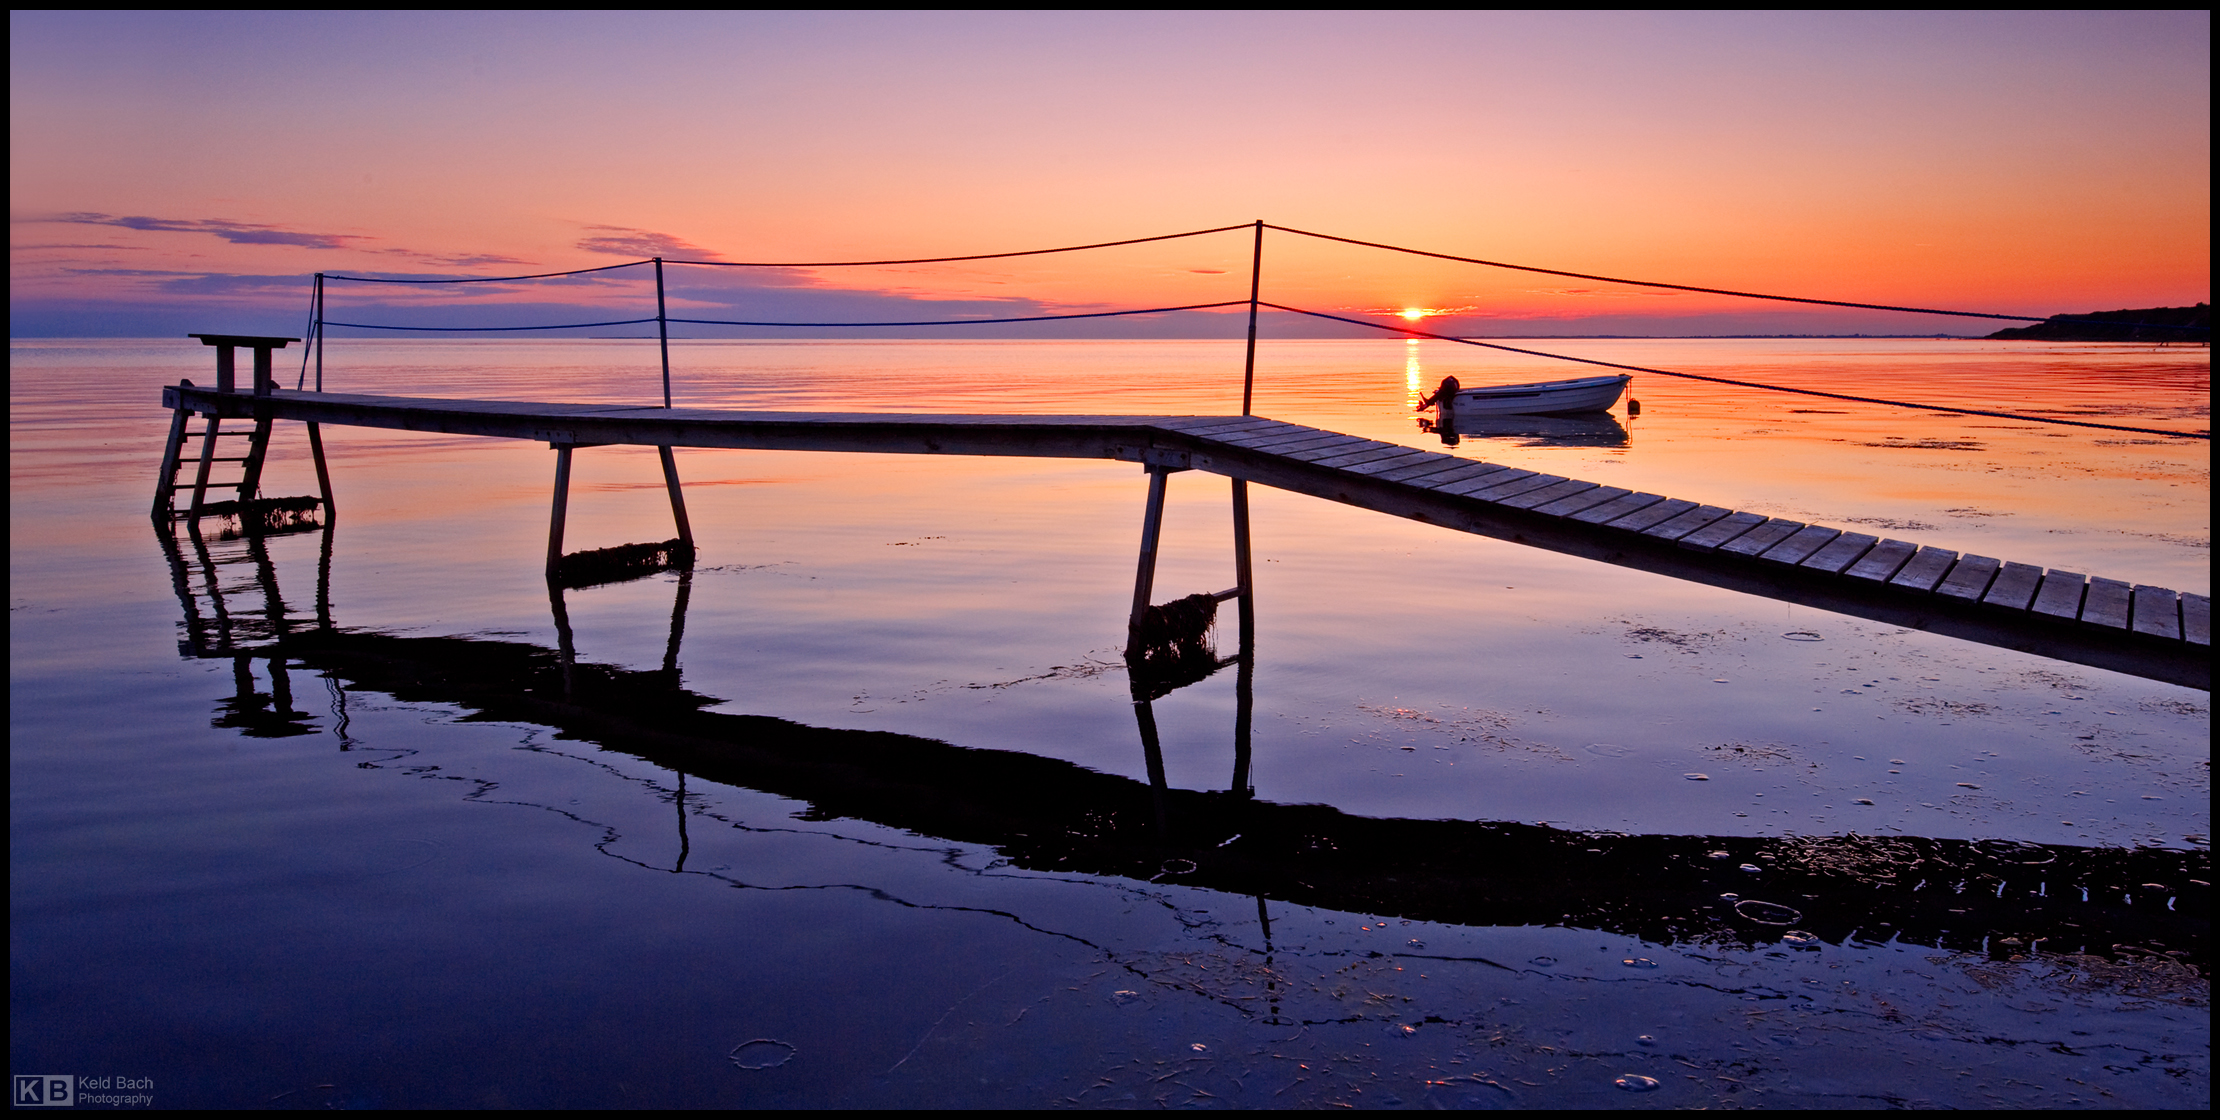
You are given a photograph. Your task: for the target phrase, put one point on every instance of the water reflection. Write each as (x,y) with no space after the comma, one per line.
(1600,429)
(1054,816)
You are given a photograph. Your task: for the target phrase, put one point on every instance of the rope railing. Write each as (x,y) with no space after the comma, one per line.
(969,322)
(534,327)
(480,279)
(1724,291)
(971,257)
(663,320)
(1405,330)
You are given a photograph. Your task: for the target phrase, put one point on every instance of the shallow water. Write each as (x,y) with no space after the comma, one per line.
(368,895)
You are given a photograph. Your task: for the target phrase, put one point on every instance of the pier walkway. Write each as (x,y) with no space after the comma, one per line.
(2151,632)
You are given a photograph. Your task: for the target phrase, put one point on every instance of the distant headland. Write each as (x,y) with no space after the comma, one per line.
(2145,324)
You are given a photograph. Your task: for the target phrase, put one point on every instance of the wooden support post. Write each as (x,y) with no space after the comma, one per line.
(165,493)
(264,380)
(250,477)
(1256,281)
(562,504)
(207,460)
(1152,527)
(323,473)
(319,329)
(226,368)
(678,497)
(663,337)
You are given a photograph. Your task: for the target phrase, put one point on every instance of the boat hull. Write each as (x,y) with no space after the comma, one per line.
(1544,398)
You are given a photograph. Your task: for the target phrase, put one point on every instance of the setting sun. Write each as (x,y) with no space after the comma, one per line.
(1414,314)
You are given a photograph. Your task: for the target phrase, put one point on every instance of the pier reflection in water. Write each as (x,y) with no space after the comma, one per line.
(2005,900)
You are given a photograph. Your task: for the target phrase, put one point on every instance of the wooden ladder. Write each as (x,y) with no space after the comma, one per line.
(248,485)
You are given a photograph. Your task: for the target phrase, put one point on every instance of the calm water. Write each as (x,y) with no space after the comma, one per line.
(351,878)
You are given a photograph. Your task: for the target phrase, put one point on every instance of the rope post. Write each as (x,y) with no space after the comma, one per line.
(663,333)
(1256,278)
(319,332)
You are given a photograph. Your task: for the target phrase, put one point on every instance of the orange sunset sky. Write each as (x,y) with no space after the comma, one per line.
(189,171)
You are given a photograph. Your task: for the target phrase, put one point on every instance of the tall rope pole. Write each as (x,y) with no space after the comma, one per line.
(663,332)
(1256,277)
(319,332)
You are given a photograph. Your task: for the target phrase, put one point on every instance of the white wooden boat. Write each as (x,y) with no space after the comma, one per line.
(1543,398)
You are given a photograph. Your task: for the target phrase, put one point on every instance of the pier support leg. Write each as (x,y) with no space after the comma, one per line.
(678,499)
(207,461)
(562,505)
(250,476)
(323,473)
(165,484)
(1152,527)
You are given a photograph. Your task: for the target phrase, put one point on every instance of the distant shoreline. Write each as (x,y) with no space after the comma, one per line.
(2135,324)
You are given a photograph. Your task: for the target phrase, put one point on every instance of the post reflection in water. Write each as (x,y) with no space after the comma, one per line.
(1055,816)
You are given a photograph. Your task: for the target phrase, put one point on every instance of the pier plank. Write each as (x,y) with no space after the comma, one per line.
(1882,562)
(1969,578)
(2107,603)
(1575,504)
(2060,595)
(2157,612)
(1440,466)
(1710,537)
(1467,471)
(1516,487)
(1677,528)
(1385,451)
(1345,446)
(1392,462)
(1801,544)
(1290,445)
(2015,586)
(1925,569)
(1212,427)
(1257,437)
(1544,495)
(1841,552)
(1464,488)
(1621,506)
(1759,539)
(2196,619)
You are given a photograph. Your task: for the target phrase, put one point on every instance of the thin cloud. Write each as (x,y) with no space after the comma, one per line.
(468,260)
(624,241)
(237,233)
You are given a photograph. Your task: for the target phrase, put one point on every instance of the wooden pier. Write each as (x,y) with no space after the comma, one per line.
(2150,632)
